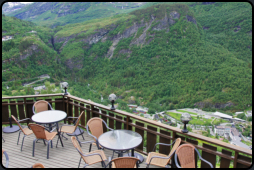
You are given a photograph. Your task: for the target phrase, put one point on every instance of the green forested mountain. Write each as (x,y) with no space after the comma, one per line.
(61,13)
(165,56)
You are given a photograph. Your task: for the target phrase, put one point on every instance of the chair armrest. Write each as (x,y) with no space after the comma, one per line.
(24,119)
(88,141)
(107,125)
(7,159)
(163,144)
(177,165)
(203,158)
(90,133)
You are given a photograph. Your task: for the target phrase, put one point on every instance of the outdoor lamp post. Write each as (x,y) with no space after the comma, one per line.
(65,85)
(185,118)
(112,98)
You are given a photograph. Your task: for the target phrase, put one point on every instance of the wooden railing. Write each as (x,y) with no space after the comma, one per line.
(151,131)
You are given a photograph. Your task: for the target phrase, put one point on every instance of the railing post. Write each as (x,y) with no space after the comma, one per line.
(127,122)
(26,110)
(235,159)
(92,109)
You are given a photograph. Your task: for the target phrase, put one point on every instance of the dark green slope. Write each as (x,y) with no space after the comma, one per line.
(175,68)
(28,54)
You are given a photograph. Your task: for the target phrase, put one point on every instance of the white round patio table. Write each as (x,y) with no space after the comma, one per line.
(49,117)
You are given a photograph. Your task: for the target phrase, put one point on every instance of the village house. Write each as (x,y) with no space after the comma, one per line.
(221,130)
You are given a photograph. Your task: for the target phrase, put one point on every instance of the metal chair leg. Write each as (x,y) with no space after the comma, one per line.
(90,147)
(3,139)
(48,150)
(79,161)
(33,146)
(23,142)
(18,138)
(44,142)
(78,141)
(64,136)
(102,164)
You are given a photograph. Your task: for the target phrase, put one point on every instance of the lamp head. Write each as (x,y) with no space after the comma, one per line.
(185,117)
(65,85)
(112,97)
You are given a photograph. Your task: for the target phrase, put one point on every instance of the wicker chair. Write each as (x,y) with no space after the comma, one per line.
(186,155)
(41,133)
(96,128)
(7,158)
(40,106)
(123,162)
(38,165)
(159,159)
(72,128)
(26,130)
(91,157)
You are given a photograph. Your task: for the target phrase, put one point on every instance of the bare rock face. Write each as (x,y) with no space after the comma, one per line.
(191,19)
(29,51)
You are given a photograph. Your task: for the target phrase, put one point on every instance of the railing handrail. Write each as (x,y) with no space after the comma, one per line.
(32,96)
(177,130)
(124,113)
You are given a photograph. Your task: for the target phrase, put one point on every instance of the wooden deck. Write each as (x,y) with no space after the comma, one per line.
(60,157)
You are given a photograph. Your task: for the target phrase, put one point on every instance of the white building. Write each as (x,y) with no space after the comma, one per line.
(40,87)
(222,115)
(221,130)
(249,113)
(237,113)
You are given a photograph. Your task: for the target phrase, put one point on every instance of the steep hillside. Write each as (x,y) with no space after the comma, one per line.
(163,56)
(61,13)
(29,53)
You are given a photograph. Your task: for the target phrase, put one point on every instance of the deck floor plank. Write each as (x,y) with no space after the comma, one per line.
(60,157)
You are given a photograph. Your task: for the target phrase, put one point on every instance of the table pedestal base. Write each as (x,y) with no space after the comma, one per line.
(136,155)
(12,129)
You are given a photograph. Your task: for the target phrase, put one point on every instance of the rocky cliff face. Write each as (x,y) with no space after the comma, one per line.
(103,34)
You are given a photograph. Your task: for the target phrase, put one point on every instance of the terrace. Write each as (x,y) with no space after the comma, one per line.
(220,154)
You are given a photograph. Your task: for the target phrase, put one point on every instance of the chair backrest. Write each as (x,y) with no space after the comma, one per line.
(77,146)
(95,126)
(38,165)
(39,131)
(77,122)
(41,105)
(186,155)
(125,162)
(176,144)
(14,118)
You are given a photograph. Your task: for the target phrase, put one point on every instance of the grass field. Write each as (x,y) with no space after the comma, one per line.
(187,112)
(196,121)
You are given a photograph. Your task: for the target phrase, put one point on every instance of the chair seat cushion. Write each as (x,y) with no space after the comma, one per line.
(28,131)
(157,161)
(50,136)
(95,158)
(68,129)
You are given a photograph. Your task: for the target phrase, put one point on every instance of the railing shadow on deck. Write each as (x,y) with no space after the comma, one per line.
(150,130)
